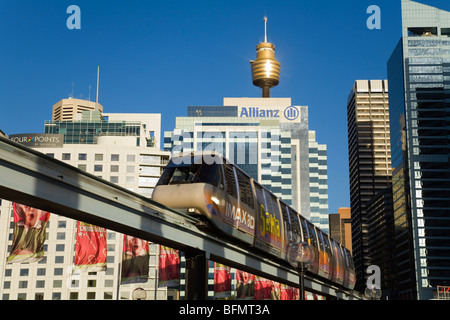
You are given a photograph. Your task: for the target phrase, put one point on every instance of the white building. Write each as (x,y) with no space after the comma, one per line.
(116,158)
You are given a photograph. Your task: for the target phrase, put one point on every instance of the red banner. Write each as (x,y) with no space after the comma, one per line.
(90,248)
(222,281)
(245,285)
(169,267)
(135,260)
(263,289)
(29,234)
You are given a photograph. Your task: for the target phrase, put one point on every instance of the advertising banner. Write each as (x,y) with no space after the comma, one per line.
(169,267)
(90,248)
(264,289)
(245,285)
(135,260)
(222,281)
(39,140)
(29,234)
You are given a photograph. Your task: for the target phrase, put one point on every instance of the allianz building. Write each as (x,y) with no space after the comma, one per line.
(270,140)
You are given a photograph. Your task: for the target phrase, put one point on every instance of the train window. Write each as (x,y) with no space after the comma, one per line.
(245,190)
(185,174)
(210,174)
(305,230)
(349,258)
(194,173)
(230,182)
(336,252)
(327,244)
(321,243)
(312,233)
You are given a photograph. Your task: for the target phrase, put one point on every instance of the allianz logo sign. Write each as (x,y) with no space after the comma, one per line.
(290,113)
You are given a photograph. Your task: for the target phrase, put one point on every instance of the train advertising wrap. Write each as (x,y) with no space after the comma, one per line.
(268,222)
(239,216)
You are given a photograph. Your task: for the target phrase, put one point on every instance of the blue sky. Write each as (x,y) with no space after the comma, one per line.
(161,56)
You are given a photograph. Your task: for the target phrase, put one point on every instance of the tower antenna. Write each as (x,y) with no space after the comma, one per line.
(265,28)
(98,76)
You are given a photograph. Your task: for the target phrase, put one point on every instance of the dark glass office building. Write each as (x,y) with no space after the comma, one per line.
(419,108)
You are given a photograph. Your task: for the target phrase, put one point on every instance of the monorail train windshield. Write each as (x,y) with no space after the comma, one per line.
(191,173)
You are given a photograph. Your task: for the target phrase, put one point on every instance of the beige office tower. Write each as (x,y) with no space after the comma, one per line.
(369,152)
(71,109)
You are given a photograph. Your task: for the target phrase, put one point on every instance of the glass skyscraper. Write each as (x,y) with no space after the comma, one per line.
(419,108)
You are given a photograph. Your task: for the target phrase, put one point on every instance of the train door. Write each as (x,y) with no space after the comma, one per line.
(292,233)
(239,211)
(349,276)
(339,269)
(324,261)
(268,222)
(310,237)
(331,261)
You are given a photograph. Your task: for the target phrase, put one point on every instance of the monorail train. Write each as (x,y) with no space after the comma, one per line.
(209,185)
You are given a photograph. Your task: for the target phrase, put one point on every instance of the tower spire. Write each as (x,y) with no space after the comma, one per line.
(265,28)
(265,69)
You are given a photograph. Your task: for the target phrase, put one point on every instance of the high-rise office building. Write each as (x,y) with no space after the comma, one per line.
(341,227)
(419,107)
(369,153)
(269,139)
(115,150)
(71,109)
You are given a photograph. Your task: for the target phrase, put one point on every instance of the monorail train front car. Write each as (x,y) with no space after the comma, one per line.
(208,185)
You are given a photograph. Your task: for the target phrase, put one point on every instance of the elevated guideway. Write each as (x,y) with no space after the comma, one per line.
(31,178)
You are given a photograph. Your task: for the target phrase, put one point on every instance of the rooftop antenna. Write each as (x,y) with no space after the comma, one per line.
(265,28)
(98,76)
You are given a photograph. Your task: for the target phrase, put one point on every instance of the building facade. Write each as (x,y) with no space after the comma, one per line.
(341,227)
(419,78)
(121,157)
(369,154)
(269,139)
(71,109)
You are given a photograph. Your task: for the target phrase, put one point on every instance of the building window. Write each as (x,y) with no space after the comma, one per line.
(61,236)
(98,168)
(62,224)
(40,284)
(59,259)
(66,156)
(107,295)
(114,179)
(23,272)
(23,284)
(73,296)
(39,296)
(56,296)
(90,295)
(59,247)
(22,296)
(98,157)
(114,157)
(82,156)
(131,158)
(82,167)
(114,168)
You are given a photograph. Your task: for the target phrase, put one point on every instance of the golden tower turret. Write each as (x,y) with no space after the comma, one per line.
(265,69)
